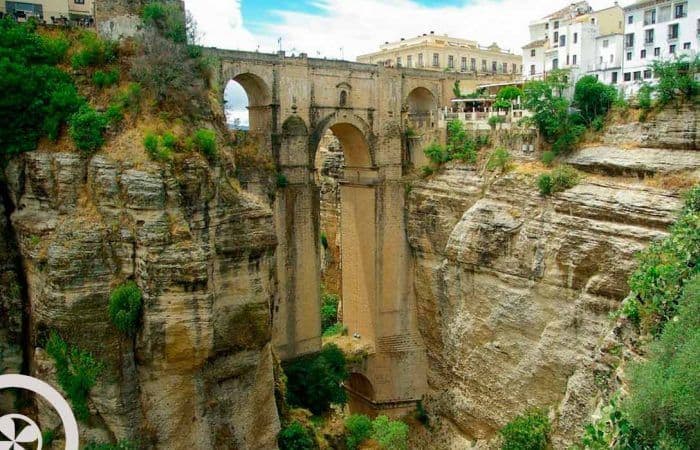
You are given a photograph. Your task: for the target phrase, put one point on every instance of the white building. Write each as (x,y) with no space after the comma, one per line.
(576,38)
(657,29)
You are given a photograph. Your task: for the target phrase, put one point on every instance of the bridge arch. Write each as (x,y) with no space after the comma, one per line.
(420,100)
(259,95)
(354,135)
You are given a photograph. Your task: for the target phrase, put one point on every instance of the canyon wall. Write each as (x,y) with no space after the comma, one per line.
(200,371)
(515,290)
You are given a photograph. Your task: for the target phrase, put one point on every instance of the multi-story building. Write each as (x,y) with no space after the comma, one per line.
(45,10)
(435,52)
(657,29)
(575,38)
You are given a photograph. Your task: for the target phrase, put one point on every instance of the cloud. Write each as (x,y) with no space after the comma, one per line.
(360,26)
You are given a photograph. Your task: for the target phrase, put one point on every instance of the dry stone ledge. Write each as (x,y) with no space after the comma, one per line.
(639,161)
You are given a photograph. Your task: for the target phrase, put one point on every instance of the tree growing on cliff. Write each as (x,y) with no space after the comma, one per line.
(528,431)
(593,98)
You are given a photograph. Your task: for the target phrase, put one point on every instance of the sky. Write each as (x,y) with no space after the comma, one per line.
(344,29)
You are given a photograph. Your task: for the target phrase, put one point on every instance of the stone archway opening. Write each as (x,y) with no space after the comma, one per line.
(421,105)
(248,105)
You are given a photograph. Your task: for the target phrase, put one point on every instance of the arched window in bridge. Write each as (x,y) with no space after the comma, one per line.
(343,98)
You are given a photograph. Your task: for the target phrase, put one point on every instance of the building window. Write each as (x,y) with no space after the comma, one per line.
(637,75)
(627,76)
(515,68)
(483,65)
(614,78)
(436,60)
(562,40)
(79,2)
(629,56)
(464,64)
(611,58)
(556,38)
(451,62)
(343,98)
(673,31)
(606,43)
(473,64)
(420,60)
(533,52)
(657,51)
(556,24)
(664,13)
(680,11)
(629,40)
(630,19)
(686,46)
(575,38)
(567,60)
(672,49)
(647,74)
(398,61)
(650,17)
(409,61)
(555,64)
(649,36)
(573,60)
(532,69)
(494,66)
(643,54)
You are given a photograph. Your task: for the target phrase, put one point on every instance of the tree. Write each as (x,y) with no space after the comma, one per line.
(506,96)
(593,98)
(456,92)
(676,78)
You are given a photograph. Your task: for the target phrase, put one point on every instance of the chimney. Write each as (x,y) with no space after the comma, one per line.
(432,32)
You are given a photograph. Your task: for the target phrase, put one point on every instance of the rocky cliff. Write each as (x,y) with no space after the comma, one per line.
(199,372)
(514,290)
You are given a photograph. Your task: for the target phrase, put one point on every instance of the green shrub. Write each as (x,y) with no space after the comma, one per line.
(114,114)
(664,400)
(593,97)
(598,123)
(314,381)
(426,171)
(329,310)
(169,141)
(155,150)
(205,142)
(86,129)
(337,329)
(281,181)
(568,138)
(548,157)
(358,428)
(529,431)
(295,437)
(545,184)
(644,97)
(167,19)
(676,78)
(390,434)
(93,52)
(63,102)
(130,98)
(104,79)
(437,153)
(121,445)
(76,371)
(324,240)
(500,159)
(125,307)
(421,414)
(496,120)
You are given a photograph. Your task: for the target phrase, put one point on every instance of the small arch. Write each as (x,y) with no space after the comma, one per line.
(343,98)
(294,126)
(359,384)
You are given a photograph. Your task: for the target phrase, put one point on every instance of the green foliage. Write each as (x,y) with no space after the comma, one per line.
(114,114)
(295,437)
(593,97)
(421,414)
(598,123)
(125,307)
(390,434)
(37,97)
(548,157)
(426,171)
(664,400)
(499,159)
(76,371)
(560,179)
(676,78)
(281,181)
(130,98)
(358,428)
(47,438)
(329,310)
(103,79)
(167,19)
(86,129)
(568,137)
(205,142)
(509,93)
(658,281)
(314,381)
(437,153)
(94,51)
(528,431)
(611,431)
(121,445)
(324,240)
(496,120)
(156,149)
(337,329)
(169,141)
(644,96)
(456,91)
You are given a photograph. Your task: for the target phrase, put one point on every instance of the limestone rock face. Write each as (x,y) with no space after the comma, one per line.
(199,372)
(514,291)
(669,128)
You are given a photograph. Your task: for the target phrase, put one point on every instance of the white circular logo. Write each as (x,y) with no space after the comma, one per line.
(16,429)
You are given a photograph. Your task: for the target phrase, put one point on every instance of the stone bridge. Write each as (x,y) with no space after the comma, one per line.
(293,102)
